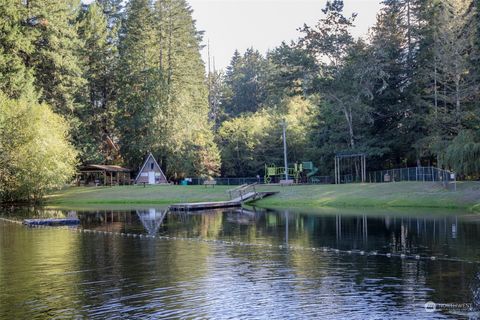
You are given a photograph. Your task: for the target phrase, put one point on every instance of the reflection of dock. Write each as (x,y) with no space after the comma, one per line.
(242,216)
(237,202)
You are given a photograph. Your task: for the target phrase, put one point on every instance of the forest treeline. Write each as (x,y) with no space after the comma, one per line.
(110,81)
(407,94)
(124,78)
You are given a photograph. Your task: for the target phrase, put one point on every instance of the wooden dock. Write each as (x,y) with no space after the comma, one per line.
(236,202)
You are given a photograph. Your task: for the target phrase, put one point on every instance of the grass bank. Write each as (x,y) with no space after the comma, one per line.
(391,195)
(402,194)
(134,195)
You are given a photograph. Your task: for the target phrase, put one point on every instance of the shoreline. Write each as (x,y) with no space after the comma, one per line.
(392,195)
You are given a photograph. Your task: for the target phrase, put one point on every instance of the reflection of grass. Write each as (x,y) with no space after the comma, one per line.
(404,194)
(370,211)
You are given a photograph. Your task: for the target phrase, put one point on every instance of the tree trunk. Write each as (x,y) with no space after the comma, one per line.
(349,118)
(409,39)
(347,111)
(457,94)
(160,40)
(435,89)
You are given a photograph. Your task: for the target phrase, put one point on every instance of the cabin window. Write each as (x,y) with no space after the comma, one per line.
(151,166)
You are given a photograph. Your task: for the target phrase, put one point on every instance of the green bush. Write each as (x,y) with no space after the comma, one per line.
(35,153)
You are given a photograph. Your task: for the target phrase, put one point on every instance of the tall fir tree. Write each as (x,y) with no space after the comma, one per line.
(58,72)
(292,72)
(390,104)
(187,106)
(246,80)
(398,110)
(451,82)
(96,135)
(216,89)
(163,104)
(140,80)
(17,36)
(113,11)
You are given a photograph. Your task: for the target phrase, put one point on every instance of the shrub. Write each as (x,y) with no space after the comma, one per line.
(35,153)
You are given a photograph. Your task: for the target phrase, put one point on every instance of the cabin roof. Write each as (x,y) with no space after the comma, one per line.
(150,155)
(103,167)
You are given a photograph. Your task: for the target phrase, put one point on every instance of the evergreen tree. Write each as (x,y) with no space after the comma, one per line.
(113,11)
(16,48)
(330,40)
(346,71)
(140,81)
(292,72)
(452,82)
(187,106)
(406,14)
(58,73)
(163,104)
(99,59)
(455,85)
(216,91)
(392,104)
(246,80)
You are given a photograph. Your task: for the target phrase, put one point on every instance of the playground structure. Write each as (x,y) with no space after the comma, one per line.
(309,172)
(300,172)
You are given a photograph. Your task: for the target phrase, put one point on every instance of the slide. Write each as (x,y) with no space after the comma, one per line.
(312,172)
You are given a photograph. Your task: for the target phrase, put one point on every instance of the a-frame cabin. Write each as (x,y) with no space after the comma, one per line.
(151,173)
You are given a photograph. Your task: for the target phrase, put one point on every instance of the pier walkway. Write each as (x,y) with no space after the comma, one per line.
(242,194)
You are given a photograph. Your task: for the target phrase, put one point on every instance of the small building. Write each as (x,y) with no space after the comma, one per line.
(150,172)
(100,174)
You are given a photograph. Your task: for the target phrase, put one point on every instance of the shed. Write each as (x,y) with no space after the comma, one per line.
(150,172)
(101,174)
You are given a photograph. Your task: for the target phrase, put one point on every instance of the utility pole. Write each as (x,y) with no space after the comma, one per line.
(284,127)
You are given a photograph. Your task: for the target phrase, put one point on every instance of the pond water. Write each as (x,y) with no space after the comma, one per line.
(151,263)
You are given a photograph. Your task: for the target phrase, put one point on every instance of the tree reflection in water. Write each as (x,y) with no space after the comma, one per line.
(243,250)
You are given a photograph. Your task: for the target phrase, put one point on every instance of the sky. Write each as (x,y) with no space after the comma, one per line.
(264,24)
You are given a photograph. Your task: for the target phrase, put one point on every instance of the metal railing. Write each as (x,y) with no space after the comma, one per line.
(241,191)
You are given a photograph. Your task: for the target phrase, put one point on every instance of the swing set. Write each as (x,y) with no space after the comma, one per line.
(350,167)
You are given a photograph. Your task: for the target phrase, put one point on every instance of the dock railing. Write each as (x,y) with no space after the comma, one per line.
(241,191)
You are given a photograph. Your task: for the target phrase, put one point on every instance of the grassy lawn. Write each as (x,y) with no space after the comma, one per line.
(402,194)
(160,195)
